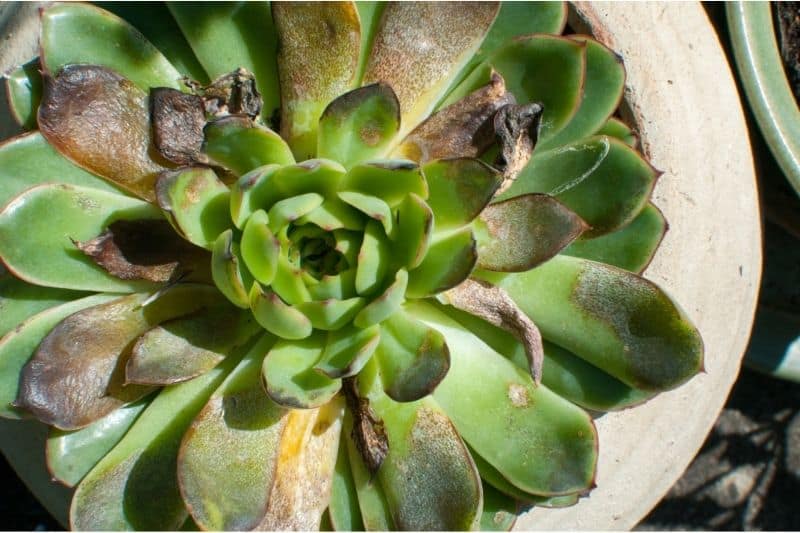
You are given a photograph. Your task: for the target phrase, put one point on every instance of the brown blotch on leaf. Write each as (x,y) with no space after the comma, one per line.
(178,120)
(516,129)
(368,431)
(495,306)
(462,129)
(145,250)
(232,94)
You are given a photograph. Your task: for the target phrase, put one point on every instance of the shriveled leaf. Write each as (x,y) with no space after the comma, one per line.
(306,462)
(462,129)
(415,221)
(419,49)
(241,145)
(28,160)
(347,351)
(234,93)
(229,456)
(384,305)
(343,510)
(72,454)
(603,180)
(369,432)
(631,247)
(24,89)
(19,345)
(117,494)
(449,261)
(70,383)
(520,233)
(196,202)
(146,250)
(486,395)
(75,33)
(226,35)
(20,301)
(459,190)
(389,180)
(276,316)
(289,375)
(101,121)
(183,348)
(629,327)
(309,81)
(517,130)
(51,217)
(177,120)
(359,125)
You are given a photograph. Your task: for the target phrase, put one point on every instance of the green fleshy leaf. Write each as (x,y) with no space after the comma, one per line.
(289,375)
(459,190)
(334,214)
(622,323)
(389,180)
(519,233)
(310,81)
(631,247)
(18,346)
(374,259)
(156,23)
(242,145)
(229,271)
(24,89)
(48,216)
(614,127)
(343,510)
(184,348)
(72,454)
(428,476)
(290,281)
(602,93)
(375,513)
(494,479)
(546,69)
(20,301)
(276,316)
(226,488)
(486,395)
(603,180)
(228,35)
(117,494)
(413,358)
(359,125)
(421,75)
(285,211)
(372,207)
(197,204)
(341,286)
(499,511)
(331,314)
(81,33)
(260,248)
(449,261)
(384,305)
(369,13)
(347,351)
(415,222)
(247,191)
(29,160)
(314,175)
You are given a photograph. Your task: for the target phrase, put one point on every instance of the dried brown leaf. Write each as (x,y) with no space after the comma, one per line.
(178,121)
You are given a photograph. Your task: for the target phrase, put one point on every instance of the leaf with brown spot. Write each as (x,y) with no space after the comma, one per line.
(178,121)
(368,432)
(306,461)
(76,376)
(146,250)
(516,128)
(518,234)
(463,129)
(101,121)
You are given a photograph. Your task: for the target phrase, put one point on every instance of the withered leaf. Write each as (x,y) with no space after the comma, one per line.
(146,250)
(368,434)
(178,121)
(233,94)
(462,129)
(516,128)
(101,121)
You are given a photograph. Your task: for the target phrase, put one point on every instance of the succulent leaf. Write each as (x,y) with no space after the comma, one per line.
(389,180)
(101,121)
(331,314)
(414,231)
(499,511)
(614,127)
(384,305)
(373,259)
(75,33)
(359,125)
(228,271)
(276,316)
(449,261)
(260,248)
(24,90)
(344,512)
(72,454)
(48,216)
(369,14)
(459,190)
(372,207)
(347,351)
(20,301)
(19,345)
(522,232)
(241,145)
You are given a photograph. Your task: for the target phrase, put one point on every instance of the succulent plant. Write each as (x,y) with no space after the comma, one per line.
(326,265)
